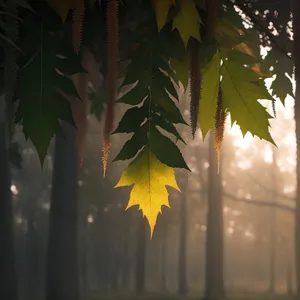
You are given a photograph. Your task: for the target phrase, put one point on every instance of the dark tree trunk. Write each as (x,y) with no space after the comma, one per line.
(140,269)
(296,57)
(33,258)
(8,282)
(182,271)
(164,244)
(214,285)
(62,257)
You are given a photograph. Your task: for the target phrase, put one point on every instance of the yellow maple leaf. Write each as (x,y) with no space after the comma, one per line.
(187,21)
(62,7)
(162,8)
(150,178)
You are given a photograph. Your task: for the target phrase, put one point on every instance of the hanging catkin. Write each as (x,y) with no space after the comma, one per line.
(112,52)
(220,119)
(77,25)
(195,85)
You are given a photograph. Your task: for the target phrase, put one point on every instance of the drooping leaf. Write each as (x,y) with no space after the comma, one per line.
(132,146)
(165,150)
(62,7)
(132,119)
(182,68)
(150,178)
(187,22)
(282,87)
(166,125)
(43,105)
(162,8)
(241,91)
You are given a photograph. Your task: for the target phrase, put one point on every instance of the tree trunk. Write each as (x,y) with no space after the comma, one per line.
(289,278)
(32,257)
(273,244)
(182,271)
(62,258)
(140,271)
(164,288)
(296,57)
(8,281)
(214,285)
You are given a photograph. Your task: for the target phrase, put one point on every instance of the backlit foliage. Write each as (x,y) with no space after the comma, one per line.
(153,47)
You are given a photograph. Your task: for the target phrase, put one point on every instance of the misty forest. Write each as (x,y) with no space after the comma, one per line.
(149,149)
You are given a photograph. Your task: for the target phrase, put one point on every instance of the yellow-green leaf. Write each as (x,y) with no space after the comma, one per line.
(162,8)
(209,94)
(182,69)
(150,178)
(241,91)
(187,21)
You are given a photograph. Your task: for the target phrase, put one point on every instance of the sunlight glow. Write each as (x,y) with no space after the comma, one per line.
(268,154)
(249,234)
(90,219)
(14,190)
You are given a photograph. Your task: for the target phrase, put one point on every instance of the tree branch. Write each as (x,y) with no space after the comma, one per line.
(262,27)
(270,190)
(259,203)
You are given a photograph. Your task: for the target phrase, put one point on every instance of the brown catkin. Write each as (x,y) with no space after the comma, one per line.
(219,129)
(195,86)
(112,50)
(77,25)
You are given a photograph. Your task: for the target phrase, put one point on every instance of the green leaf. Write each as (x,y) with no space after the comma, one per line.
(135,96)
(182,70)
(166,125)
(282,87)
(160,79)
(161,10)
(240,95)
(132,146)
(187,22)
(41,104)
(167,107)
(165,150)
(132,119)
(209,94)
(242,57)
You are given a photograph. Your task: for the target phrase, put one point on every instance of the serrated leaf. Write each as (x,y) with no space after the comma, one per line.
(167,108)
(240,95)
(242,57)
(132,119)
(42,106)
(150,178)
(160,79)
(209,94)
(282,87)
(187,22)
(135,96)
(166,125)
(165,150)
(62,7)
(162,8)
(132,146)
(182,70)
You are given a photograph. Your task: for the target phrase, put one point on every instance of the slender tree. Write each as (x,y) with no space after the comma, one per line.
(214,281)
(8,282)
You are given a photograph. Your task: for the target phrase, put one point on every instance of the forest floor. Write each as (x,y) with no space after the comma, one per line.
(245,296)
